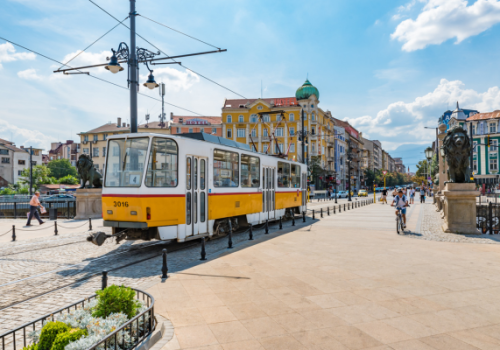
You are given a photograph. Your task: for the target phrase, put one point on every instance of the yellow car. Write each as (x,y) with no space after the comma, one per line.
(362,193)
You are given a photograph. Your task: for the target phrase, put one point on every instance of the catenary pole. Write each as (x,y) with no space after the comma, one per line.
(133,67)
(303,139)
(31,171)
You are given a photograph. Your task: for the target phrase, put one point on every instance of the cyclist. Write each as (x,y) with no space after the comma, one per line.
(401,203)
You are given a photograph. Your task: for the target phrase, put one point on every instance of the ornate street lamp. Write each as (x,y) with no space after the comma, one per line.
(429,152)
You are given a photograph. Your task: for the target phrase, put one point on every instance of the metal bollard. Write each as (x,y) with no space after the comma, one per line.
(340,208)
(328,211)
(90,224)
(281,224)
(490,217)
(164,268)
(13,233)
(203,251)
(250,233)
(293,220)
(313,215)
(104,283)
(344,206)
(267,227)
(334,209)
(55,228)
(303,216)
(230,236)
(321,212)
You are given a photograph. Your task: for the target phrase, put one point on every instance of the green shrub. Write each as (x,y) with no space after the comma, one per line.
(31,347)
(49,333)
(65,338)
(115,299)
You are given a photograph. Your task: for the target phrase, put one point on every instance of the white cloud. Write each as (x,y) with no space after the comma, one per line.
(8,54)
(88,59)
(174,79)
(24,137)
(441,20)
(403,121)
(29,74)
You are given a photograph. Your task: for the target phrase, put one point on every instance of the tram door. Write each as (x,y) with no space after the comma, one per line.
(196,195)
(268,191)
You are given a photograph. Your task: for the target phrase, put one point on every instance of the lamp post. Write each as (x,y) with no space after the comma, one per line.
(429,152)
(131,55)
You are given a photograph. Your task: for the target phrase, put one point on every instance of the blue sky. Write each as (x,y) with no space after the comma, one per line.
(389,67)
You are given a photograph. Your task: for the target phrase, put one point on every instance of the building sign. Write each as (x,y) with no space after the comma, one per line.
(196,121)
(291,101)
(353,132)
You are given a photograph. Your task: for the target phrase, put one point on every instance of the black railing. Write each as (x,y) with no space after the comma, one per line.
(137,328)
(65,209)
(488,218)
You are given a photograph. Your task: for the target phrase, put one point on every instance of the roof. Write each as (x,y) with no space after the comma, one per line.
(484,116)
(306,90)
(56,187)
(154,125)
(211,120)
(109,127)
(10,145)
(236,103)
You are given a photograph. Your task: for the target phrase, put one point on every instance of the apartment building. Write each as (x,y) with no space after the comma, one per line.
(68,150)
(13,160)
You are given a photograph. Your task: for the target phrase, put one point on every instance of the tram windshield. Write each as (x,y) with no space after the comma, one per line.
(125,162)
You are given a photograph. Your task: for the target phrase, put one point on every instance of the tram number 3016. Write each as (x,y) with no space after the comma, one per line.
(120,204)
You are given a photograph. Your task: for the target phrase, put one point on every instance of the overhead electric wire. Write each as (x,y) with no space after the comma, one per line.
(178,31)
(168,56)
(85,49)
(93,76)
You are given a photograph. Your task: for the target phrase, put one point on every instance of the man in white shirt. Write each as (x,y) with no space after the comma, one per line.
(401,202)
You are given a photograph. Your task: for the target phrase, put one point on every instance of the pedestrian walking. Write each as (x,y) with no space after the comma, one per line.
(422,194)
(34,204)
(412,195)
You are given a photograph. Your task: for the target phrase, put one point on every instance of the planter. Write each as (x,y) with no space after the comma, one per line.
(135,330)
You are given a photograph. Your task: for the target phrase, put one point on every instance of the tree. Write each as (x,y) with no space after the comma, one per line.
(41,176)
(61,167)
(68,180)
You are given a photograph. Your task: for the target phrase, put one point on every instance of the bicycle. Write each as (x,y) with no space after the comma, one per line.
(399,220)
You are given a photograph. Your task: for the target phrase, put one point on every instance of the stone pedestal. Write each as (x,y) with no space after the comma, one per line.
(88,203)
(460,208)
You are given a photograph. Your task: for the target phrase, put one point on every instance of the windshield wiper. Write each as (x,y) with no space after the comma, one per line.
(124,161)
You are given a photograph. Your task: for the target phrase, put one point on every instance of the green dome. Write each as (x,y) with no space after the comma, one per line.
(306,90)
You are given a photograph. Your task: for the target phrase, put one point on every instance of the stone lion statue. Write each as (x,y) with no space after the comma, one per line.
(87,172)
(456,150)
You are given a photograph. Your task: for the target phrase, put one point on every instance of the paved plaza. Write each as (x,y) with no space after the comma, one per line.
(346,281)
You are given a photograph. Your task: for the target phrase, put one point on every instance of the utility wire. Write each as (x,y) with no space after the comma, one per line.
(102,36)
(178,31)
(93,76)
(168,56)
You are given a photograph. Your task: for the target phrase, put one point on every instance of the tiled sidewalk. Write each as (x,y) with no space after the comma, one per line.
(346,282)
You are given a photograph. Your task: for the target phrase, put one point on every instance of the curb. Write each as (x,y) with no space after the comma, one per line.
(163,333)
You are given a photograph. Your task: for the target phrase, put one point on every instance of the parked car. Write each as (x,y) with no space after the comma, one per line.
(342,194)
(362,193)
(59,198)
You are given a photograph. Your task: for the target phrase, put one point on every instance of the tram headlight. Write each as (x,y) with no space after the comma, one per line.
(110,212)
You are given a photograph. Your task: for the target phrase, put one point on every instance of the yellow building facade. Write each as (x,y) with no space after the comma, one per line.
(253,121)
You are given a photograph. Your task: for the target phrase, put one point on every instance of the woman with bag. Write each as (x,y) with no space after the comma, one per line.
(34,204)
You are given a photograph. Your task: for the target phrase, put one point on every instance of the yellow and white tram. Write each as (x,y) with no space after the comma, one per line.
(185,187)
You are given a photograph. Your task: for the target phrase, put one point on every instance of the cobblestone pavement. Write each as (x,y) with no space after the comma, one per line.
(430,228)
(55,256)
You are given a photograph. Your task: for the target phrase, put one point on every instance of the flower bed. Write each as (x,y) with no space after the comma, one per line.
(114,318)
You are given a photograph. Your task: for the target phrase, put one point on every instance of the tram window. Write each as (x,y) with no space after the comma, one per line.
(195,179)
(226,169)
(250,170)
(202,174)
(188,173)
(202,206)
(283,174)
(162,167)
(125,162)
(295,178)
(188,208)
